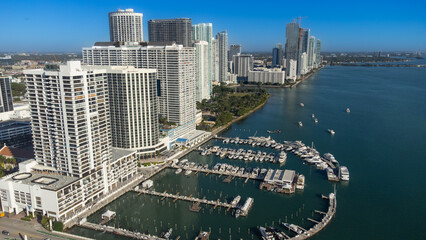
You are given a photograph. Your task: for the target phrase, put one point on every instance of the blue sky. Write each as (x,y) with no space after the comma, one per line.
(62,25)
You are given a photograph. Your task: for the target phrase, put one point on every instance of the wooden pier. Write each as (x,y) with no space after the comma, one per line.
(185,198)
(118,231)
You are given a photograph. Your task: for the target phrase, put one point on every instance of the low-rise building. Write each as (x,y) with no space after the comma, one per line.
(39,188)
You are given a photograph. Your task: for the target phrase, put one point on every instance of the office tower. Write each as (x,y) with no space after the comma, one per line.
(175,66)
(6,100)
(133,108)
(292,43)
(277,55)
(204,32)
(177,30)
(311,52)
(243,63)
(318,53)
(222,48)
(69,118)
(202,70)
(125,26)
(305,40)
(234,49)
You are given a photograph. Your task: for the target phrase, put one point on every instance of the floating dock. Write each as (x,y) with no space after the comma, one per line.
(187,198)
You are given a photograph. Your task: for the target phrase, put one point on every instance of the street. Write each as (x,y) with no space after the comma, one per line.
(18,228)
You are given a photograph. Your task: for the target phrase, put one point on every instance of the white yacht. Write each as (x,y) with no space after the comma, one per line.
(313,115)
(300,182)
(344,173)
(330,157)
(187,172)
(316,120)
(300,124)
(348,110)
(302,105)
(331,131)
(179,170)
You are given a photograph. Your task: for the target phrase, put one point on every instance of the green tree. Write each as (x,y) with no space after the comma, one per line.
(18,89)
(58,226)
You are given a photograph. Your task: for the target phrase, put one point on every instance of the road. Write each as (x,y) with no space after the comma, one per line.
(18,228)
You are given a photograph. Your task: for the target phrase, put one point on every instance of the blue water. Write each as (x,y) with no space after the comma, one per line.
(382,141)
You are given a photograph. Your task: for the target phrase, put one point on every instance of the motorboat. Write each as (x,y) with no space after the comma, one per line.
(300,182)
(344,173)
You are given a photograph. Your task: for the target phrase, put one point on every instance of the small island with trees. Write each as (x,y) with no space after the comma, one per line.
(230,104)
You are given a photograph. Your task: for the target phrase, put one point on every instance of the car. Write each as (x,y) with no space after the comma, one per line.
(5,232)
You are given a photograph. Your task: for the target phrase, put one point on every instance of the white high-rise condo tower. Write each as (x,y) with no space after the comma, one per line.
(125,26)
(176,71)
(202,70)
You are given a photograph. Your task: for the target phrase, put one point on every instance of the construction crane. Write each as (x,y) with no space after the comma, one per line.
(298,18)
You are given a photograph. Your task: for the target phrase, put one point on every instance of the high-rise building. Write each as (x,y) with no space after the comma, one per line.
(305,40)
(176,68)
(133,109)
(243,63)
(74,164)
(318,53)
(6,100)
(202,70)
(125,26)
(303,64)
(277,55)
(70,118)
(222,48)
(292,43)
(234,49)
(178,30)
(273,75)
(215,58)
(204,32)
(311,52)
(292,69)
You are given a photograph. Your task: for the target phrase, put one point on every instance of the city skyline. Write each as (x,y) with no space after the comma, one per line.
(257,28)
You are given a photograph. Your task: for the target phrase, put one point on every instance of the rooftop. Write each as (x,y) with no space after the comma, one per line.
(118,153)
(48,181)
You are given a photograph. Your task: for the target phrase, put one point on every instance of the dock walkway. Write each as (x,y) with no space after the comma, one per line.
(210,171)
(186,198)
(119,231)
(320,224)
